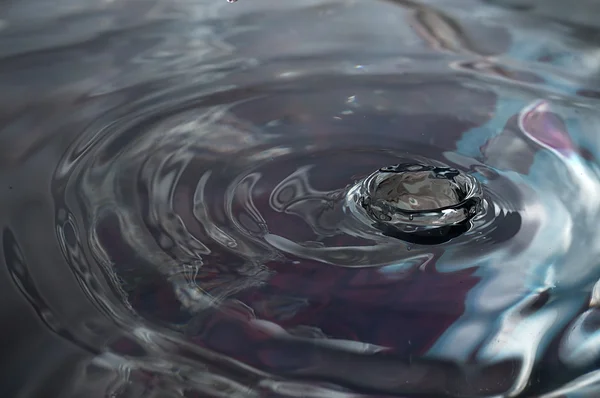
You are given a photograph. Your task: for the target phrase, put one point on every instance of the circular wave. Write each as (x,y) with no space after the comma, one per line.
(221,219)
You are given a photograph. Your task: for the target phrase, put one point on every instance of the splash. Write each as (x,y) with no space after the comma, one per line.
(414,198)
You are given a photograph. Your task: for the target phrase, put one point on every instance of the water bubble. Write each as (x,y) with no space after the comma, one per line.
(413,198)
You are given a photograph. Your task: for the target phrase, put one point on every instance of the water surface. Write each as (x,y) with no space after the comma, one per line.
(299,199)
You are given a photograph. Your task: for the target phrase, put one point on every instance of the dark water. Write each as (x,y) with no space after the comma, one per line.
(300,198)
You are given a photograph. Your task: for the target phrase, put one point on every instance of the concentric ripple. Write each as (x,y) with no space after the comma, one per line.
(407,208)
(265,235)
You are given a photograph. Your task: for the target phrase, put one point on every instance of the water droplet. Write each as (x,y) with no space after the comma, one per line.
(414,198)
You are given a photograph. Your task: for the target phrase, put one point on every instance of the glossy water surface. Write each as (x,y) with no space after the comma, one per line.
(309,198)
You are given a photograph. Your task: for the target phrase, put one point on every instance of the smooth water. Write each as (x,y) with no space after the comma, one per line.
(305,198)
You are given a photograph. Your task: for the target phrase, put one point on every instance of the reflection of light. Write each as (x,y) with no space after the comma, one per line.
(577,386)
(289,74)
(534,112)
(522,336)
(595,298)
(581,346)
(398,269)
